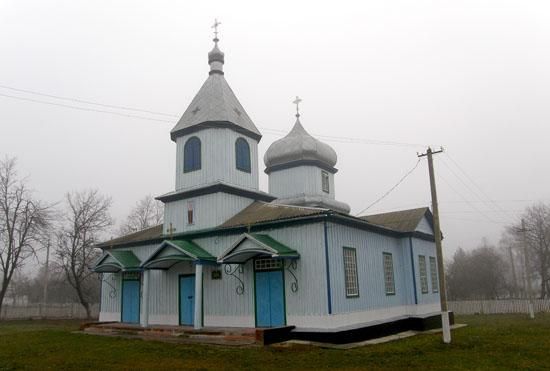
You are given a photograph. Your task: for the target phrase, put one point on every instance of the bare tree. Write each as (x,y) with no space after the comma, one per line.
(147,212)
(536,238)
(477,274)
(23,219)
(87,217)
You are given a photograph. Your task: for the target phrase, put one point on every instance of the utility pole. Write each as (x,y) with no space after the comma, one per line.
(526,269)
(47,272)
(439,250)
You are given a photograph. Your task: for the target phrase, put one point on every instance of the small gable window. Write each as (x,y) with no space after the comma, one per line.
(242,155)
(190,212)
(325,182)
(192,155)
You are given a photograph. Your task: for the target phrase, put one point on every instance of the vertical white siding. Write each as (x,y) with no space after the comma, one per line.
(298,181)
(370,248)
(217,160)
(426,248)
(210,211)
(424,226)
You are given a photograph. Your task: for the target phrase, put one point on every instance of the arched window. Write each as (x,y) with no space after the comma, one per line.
(192,155)
(242,155)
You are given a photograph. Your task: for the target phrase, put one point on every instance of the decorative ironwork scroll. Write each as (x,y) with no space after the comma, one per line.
(292,264)
(235,271)
(112,292)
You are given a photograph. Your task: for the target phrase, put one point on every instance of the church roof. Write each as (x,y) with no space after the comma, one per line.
(401,221)
(215,105)
(143,235)
(297,148)
(260,212)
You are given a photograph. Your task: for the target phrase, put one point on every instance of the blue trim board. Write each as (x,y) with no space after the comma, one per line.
(413,270)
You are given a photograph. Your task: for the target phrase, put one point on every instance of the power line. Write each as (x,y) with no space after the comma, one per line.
(474,183)
(391,189)
(86,101)
(330,138)
(82,108)
(465,200)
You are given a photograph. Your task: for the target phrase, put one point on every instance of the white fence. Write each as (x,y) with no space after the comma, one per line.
(47,311)
(498,306)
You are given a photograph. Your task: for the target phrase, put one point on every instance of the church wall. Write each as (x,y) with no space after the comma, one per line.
(209,211)
(299,180)
(217,160)
(369,247)
(426,248)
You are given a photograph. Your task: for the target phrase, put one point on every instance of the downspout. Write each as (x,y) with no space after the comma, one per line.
(413,272)
(329,298)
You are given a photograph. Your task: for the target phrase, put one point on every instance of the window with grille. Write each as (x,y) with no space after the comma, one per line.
(192,155)
(325,182)
(423,273)
(389,280)
(350,272)
(267,264)
(433,274)
(190,212)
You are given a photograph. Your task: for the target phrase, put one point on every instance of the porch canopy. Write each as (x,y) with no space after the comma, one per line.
(252,245)
(172,252)
(117,261)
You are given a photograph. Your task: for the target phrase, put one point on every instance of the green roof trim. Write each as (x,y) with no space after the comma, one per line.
(116,261)
(264,245)
(178,251)
(274,244)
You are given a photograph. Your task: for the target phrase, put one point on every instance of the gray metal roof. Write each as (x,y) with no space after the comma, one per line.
(143,235)
(215,103)
(402,221)
(299,145)
(259,212)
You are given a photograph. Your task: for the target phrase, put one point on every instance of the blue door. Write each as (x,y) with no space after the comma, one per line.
(187,300)
(130,301)
(270,302)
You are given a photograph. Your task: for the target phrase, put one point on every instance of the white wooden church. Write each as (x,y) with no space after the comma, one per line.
(232,255)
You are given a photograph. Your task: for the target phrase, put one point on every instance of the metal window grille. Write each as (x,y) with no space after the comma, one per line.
(389,280)
(266,264)
(423,273)
(433,274)
(350,272)
(325,182)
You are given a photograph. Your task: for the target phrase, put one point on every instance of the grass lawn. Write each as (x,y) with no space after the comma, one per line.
(489,342)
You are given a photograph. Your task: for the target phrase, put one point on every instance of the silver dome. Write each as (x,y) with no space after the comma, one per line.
(299,145)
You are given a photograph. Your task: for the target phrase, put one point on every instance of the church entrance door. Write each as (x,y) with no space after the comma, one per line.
(130,300)
(270,293)
(187,300)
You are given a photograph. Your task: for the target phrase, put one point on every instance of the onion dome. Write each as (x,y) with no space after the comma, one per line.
(299,148)
(216,58)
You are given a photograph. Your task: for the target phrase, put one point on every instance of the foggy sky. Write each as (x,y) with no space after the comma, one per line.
(471,76)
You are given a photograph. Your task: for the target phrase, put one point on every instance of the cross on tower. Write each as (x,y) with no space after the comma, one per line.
(215,27)
(297,103)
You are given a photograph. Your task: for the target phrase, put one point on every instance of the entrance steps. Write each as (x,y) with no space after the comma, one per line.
(232,336)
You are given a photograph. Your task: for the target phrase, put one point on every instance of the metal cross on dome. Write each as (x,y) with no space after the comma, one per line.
(297,102)
(215,27)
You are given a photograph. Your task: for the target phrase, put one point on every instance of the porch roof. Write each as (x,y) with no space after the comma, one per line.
(261,245)
(117,261)
(171,252)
